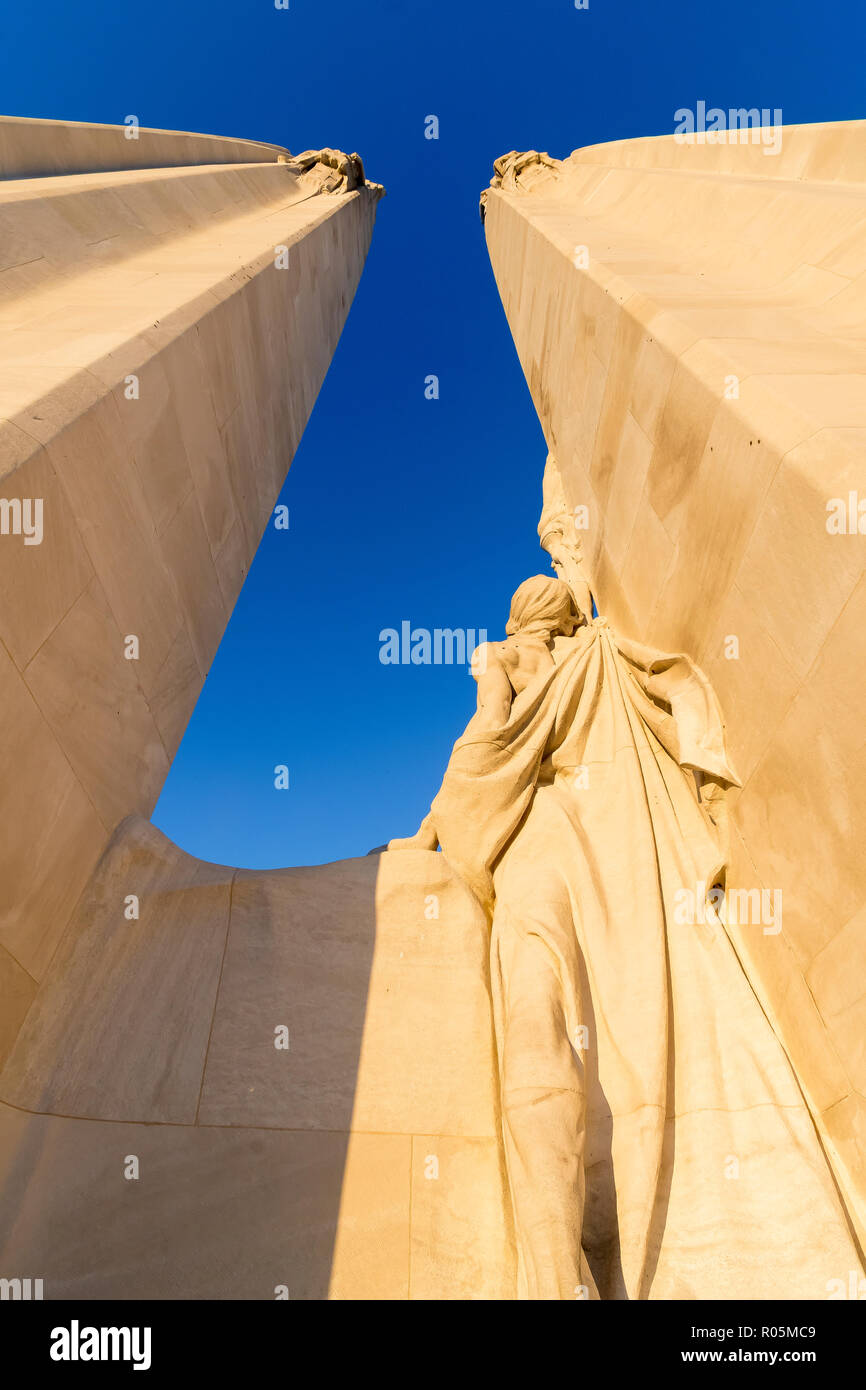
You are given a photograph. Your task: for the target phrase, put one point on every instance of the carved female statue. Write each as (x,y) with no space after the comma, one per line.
(637,1069)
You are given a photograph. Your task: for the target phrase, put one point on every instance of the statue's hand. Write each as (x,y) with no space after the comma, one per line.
(425,837)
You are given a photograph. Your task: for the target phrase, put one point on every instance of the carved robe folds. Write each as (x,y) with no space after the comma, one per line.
(656,1141)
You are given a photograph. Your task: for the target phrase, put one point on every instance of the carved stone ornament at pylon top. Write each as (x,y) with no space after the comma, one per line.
(521,173)
(330,171)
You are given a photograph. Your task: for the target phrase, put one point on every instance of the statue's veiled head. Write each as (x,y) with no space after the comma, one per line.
(543,607)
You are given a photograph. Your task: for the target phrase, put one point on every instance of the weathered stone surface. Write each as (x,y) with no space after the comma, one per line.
(656,1140)
(18,991)
(349,962)
(306,1066)
(213,1214)
(31,148)
(120,1028)
(689,320)
(305,1164)
(158,368)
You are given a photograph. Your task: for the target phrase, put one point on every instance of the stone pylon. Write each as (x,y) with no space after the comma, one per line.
(271,1053)
(284,1083)
(169,305)
(688,312)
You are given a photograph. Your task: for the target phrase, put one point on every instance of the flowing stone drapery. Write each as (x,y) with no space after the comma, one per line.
(656,1141)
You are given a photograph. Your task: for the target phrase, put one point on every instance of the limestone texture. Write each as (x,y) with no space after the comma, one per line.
(169,306)
(358,1159)
(556,1060)
(656,1141)
(690,320)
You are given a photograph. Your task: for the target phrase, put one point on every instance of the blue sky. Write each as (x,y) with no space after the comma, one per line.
(400,507)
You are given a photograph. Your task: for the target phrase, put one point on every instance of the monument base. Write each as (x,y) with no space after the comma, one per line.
(267,1084)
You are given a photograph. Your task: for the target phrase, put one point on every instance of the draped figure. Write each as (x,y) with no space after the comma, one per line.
(655,1139)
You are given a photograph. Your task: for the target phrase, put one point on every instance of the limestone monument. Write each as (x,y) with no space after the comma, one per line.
(689,316)
(635,1061)
(596,1030)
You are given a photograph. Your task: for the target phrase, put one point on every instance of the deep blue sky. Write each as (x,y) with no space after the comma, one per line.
(400,507)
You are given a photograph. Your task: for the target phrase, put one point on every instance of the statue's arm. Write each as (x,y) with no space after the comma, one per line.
(495,691)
